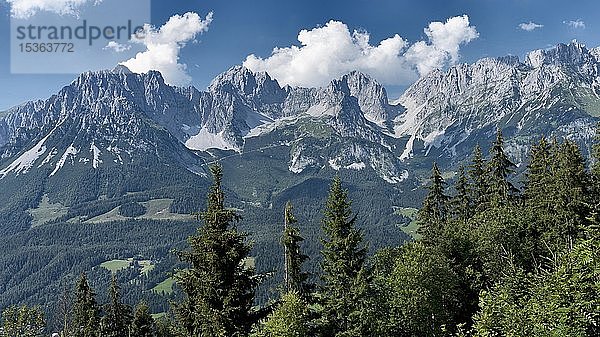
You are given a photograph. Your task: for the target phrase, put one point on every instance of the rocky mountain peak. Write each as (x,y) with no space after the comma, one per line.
(572,54)
(245,82)
(372,96)
(258,91)
(121,69)
(361,85)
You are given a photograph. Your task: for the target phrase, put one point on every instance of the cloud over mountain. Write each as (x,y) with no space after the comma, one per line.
(332,50)
(164,44)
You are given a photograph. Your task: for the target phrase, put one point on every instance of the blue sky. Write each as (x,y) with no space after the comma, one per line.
(241,28)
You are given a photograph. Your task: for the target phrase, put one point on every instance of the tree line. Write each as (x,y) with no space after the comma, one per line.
(494,260)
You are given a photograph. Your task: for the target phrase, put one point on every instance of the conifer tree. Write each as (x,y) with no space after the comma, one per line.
(596,174)
(434,212)
(461,202)
(218,286)
(85,311)
(117,316)
(557,193)
(501,190)
(478,175)
(295,279)
(143,325)
(345,277)
(571,194)
(538,177)
(537,214)
(596,156)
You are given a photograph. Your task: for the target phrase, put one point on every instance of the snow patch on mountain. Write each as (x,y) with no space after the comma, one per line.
(395,179)
(356,166)
(333,163)
(71,152)
(96,153)
(408,149)
(205,140)
(25,161)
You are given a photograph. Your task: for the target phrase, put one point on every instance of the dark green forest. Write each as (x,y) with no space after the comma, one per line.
(500,254)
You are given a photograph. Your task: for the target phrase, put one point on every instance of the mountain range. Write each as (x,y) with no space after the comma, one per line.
(118,114)
(114,137)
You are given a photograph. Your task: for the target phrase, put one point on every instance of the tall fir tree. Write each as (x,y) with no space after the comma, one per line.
(538,205)
(462,206)
(596,174)
(295,279)
(434,213)
(478,176)
(572,191)
(143,324)
(218,286)
(346,279)
(86,315)
(501,191)
(117,315)
(596,154)
(538,177)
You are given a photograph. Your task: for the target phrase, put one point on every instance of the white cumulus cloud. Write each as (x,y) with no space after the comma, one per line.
(530,26)
(164,44)
(23,9)
(332,50)
(444,44)
(577,24)
(117,47)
